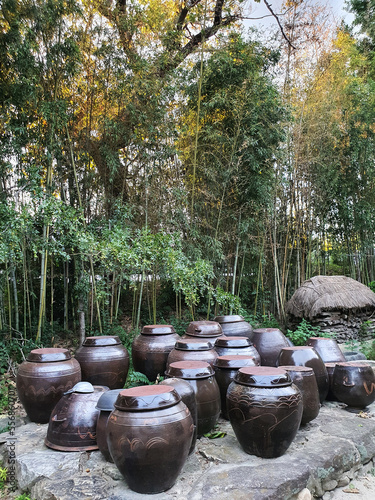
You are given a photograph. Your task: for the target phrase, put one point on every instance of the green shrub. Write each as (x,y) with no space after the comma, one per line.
(304,331)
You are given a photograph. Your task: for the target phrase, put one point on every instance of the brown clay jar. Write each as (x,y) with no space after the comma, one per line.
(43,378)
(330,367)
(327,348)
(203,329)
(151,348)
(226,368)
(234,325)
(354,384)
(72,425)
(231,346)
(304,378)
(201,377)
(187,395)
(269,342)
(193,349)
(307,356)
(104,361)
(265,410)
(105,405)
(149,436)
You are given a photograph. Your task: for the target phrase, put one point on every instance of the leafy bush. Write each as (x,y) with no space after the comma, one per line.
(304,331)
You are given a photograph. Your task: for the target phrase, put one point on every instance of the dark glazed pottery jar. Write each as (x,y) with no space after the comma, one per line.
(201,377)
(151,348)
(354,384)
(307,356)
(234,325)
(104,361)
(231,346)
(265,410)
(269,342)
(328,349)
(105,405)
(193,349)
(187,395)
(72,425)
(330,367)
(203,329)
(43,378)
(304,378)
(226,368)
(149,436)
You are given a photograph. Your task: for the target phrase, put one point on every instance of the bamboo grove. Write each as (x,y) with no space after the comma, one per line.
(159,160)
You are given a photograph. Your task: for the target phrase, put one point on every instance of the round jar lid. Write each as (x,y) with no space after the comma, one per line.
(266,330)
(107,400)
(233,342)
(48,355)
(263,376)
(204,329)
(230,318)
(234,362)
(190,369)
(82,388)
(193,345)
(102,340)
(158,330)
(292,368)
(147,397)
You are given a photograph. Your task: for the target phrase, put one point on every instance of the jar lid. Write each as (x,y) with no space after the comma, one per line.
(147,397)
(107,400)
(233,362)
(48,355)
(230,318)
(292,368)
(233,342)
(266,330)
(263,376)
(158,330)
(82,388)
(102,340)
(193,345)
(204,329)
(190,370)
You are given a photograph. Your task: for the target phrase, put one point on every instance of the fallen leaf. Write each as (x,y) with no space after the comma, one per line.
(351,490)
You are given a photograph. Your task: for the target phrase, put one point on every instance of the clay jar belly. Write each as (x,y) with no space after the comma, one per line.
(265,410)
(307,356)
(149,436)
(42,380)
(234,325)
(150,350)
(230,346)
(104,361)
(269,342)
(201,377)
(193,349)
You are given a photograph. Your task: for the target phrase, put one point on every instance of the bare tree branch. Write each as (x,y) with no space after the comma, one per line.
(278,22)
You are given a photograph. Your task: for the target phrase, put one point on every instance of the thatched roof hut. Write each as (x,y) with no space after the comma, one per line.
(335,303)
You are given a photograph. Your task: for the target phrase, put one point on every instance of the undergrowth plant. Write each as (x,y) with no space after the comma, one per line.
(304,331)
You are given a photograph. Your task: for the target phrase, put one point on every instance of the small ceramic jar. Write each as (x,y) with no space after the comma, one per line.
(354,384)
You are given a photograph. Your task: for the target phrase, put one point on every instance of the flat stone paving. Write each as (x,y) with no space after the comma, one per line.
(327,453)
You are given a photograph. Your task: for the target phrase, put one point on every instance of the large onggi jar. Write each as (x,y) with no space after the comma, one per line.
(193,350)
(149,436)
(234,325)
(265,410)
(201,377)
(104,361)
(151,348)
(43,378)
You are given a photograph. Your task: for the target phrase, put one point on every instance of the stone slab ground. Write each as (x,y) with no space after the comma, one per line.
(324,460)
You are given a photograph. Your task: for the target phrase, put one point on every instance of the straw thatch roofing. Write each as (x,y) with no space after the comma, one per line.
(329,293)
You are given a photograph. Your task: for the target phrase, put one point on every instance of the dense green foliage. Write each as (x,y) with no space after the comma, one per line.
(159,165)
